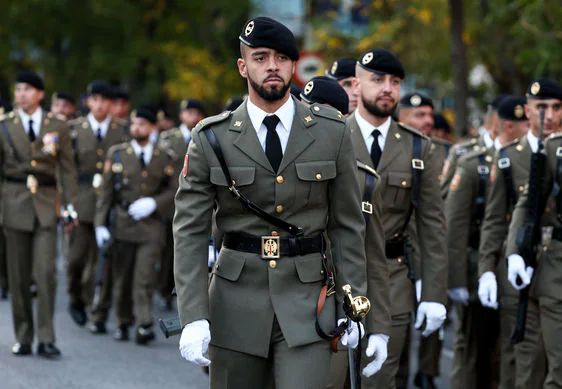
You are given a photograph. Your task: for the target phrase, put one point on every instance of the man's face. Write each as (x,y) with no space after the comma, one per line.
(120,108)
(552,115)
(347,85)
(378,94)
(439,133)
(268,72)
(28,97)
(62,107)
(99,106)
(421,118)
(520,128)
(190,117)
(141,129)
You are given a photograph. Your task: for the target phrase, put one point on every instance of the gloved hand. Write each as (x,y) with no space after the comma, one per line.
(377,347)
(459,295)
(194,342)
(102,234)
(418,289)
(515,268)
(142,208)
(435,313)
(350,337)
(488,290)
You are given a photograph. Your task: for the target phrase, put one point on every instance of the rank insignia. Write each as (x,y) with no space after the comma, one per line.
(446,168)
(334,67)
(367,58)
(308,119)
(185,166)
(535,88)
(169,170)
(308,87)
(237,123)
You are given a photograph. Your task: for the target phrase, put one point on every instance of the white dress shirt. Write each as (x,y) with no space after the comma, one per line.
(488,141)
(533,141)
(497,144)
(367,131)
(285,113)
(186,132)
(35,116)
(147,149)
(103,126)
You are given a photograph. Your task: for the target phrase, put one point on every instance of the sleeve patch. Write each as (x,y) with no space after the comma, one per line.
(455,182)
(185,166)
(494,173)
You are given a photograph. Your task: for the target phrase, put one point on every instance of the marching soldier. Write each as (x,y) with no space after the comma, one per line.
(91,137)
(324,90)
(176,141)
(295,166)
(523,365)
(138,184)
(402,157)
(63,104)
(547,275)
(121,105)
(343,71)
(35,145)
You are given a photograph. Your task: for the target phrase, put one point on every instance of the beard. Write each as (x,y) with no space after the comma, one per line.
(141,139)
(376,111)
(272,94)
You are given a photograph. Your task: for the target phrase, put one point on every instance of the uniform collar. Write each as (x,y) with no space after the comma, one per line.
(186,132)
(103,126)
(285,113)
(533,141)
(488,141)
(497,143)
(367,128)
(35,116)
(147,149)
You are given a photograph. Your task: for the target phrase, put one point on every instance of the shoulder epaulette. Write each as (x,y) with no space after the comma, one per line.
(170,133)
(327,112)
(11,115)
(511,144)
(56,116)
(440,141)
(474,153)
(412,130)
(555,135)
(212,120)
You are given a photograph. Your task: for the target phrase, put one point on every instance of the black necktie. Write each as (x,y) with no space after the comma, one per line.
(273,149)
(376,151)
(31,133)
(141,160)
(98,134)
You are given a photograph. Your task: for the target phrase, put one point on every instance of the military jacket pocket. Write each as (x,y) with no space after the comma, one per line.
(314,177)
(242,175)
(309,269)
(397,192)
(229,267)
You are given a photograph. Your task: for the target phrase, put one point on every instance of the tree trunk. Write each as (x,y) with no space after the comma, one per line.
(460,67)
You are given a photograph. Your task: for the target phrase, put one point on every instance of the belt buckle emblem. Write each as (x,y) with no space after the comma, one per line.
(418,164)
(367,207)
(32,183)
(270,247)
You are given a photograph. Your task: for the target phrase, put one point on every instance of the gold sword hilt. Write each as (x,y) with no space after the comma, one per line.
(359,305)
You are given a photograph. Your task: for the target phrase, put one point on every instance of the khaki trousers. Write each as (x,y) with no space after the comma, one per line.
(429,354)
(166,278)
(32,253)
(81,264)
(551,325)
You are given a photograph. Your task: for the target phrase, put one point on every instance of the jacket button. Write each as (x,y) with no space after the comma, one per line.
(404,183)
(99,165)
(33,163)
(279,209)
(280,179)
(144,173)
(399,260)
(521,188)
(272,264)
(100,152)
(319,176)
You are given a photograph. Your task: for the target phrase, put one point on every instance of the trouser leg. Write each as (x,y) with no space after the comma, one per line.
(147,256)
(551,325)
(123,267)
(429,354)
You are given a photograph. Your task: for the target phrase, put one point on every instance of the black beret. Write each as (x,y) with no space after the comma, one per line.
(65,96)
(342,68)
(512,108)
(146,111)
(120,93)
(192,103)
(414,100)
(266,32)
(497,100)
(381,61)
(440,122)
(296,91)
(233,103)
(30,78)
(324,90)
(543,89)
(99,87)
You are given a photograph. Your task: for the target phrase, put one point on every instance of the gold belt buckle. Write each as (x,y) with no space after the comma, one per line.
(270,247)
(367,207)
(32,183)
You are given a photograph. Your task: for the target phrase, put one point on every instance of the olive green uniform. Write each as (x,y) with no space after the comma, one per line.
(476,361)
(30,207)
(521,365)
(89,156)
(455,152)
(137,244)
(546,281)
(262,313)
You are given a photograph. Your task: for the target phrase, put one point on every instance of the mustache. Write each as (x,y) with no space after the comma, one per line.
(273,77)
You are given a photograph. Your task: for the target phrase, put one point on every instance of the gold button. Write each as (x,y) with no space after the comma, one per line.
(280,179)
(33,163)
(272,264)
(404,183)
(274,233)
(521,188)
(316,109)
(547,209)
(100,152)
(99,165)
(321,271)
(279,209)
(399,260)
(144,173)
(319,176)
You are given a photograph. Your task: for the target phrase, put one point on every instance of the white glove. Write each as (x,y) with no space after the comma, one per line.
(142,208)
(418,289)
(102,234)
(488,290)
(435,313)
(515,268)
(194,342)
(350,337)
(459,295)
(377,347)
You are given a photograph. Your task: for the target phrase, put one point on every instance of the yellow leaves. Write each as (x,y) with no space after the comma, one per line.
(425,15)
(466,37)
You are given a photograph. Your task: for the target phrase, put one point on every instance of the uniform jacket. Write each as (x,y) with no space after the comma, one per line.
(455,152)
(49,156)
(315,188)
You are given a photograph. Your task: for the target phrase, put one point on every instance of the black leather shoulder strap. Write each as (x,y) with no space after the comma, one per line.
(417,169)
(504,164)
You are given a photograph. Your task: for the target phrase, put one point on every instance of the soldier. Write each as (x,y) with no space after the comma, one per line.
(138,185)
(441,128)
(323,90)
(91,136)
(121,105)
(63,104)
(343,71)
(547,95)
(402,157)
(176,141)
(296,166)
(36,151)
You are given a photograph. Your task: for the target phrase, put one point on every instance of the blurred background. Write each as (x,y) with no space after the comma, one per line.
(461,53)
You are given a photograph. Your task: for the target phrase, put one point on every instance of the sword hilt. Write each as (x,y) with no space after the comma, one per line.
(356,308)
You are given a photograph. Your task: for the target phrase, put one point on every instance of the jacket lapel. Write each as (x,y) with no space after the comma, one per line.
(300,138)
(361,152)
(394,146)
(19,136)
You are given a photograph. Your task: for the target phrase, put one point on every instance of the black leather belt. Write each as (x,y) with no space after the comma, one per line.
(265,245)
(557,233)
(394,248)
(41,180)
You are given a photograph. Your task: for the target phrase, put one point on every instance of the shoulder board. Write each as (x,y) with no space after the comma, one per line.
(11,115)
(123,122)
(511,144)
(212,120)
(170,133)
(121,146)
(555,135)
(411,129)
(57,116)
(474,153)
(440,141)
(467,143)
(368,169)
(327,112)
(2,117)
